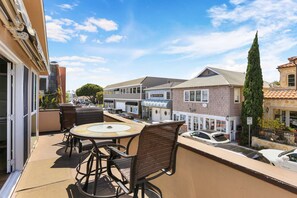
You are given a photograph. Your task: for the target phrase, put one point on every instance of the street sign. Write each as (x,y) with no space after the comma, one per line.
(249,120)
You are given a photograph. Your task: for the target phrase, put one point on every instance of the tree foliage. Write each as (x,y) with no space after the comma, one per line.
(89,90)
(252,91)
(99,97)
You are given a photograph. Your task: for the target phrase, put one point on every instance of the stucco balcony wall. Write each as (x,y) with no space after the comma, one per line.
(49,120)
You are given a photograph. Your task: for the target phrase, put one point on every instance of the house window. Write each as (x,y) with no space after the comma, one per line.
(196,124)
(237,95)
(221,125)
(291,80)
(196,96)
(187,95)
(132,109)
(134,90)
(168,95)
(190,122)
(204,95)
(201,123)
(174,117)
(192,95)
(182,117)
(138,89)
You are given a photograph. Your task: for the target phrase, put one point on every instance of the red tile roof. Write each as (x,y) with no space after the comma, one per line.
(280,94)
(289,64)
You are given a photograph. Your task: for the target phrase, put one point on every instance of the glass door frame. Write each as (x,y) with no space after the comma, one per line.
(10,116)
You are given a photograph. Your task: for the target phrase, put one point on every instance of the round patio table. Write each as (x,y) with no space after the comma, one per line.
(102,131)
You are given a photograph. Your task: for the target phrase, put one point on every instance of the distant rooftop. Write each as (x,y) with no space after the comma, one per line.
(139,81)
(165,86)
(211,76)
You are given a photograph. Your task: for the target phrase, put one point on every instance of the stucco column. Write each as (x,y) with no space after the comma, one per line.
(287,118)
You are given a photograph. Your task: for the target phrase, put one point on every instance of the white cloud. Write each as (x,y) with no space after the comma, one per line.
(107,25)
(101,69)
(114,39)
(63,29)
(91,25)
(67,6)
(57,31)
(262,13)
(83,38)
(89,59)
(48,18)
(74,70)
(97,41)
(86,26)
(210,43)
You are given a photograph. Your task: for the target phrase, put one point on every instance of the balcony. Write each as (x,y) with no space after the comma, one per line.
(202,171)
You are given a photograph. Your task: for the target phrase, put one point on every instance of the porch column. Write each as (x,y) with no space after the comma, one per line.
(287,118)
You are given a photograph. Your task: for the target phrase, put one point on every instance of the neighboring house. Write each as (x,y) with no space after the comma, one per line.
(212,101)
(56,79)
(157,105)
(127,96)
(23,57)
(281,102)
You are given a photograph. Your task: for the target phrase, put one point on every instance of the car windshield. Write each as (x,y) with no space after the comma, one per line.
(219,137)
(286,152)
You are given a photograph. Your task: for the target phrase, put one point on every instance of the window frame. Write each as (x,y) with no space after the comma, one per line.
(234,92)
(291,79)
(204,95)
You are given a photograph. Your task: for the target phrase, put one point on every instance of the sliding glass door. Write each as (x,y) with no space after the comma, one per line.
(6,119)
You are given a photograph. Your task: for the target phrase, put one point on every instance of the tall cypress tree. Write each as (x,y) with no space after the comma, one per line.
(252,91)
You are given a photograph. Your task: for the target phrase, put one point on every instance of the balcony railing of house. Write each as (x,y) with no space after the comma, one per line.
(206,171)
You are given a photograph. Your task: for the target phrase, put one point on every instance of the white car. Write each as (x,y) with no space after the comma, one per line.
(213,137)
(285,159)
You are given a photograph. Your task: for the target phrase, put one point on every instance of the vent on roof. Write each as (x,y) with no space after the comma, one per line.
(207,73)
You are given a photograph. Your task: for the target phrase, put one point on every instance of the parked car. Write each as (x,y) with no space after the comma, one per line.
(127,116)
(213,137)
(284,159)
(244,151)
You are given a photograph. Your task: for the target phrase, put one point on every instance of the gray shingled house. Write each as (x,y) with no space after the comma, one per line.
(211,100)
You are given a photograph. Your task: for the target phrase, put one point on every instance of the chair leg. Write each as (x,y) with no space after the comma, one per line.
(71,146)
(142,190)
(135,193)
(67,143)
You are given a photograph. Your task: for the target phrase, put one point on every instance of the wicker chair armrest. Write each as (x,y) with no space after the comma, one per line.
(122,154)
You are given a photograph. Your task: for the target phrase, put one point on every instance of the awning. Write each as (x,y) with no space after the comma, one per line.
(157,103)
(108,101)
(132,103)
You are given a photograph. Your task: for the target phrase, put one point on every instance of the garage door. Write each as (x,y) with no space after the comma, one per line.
(121,105)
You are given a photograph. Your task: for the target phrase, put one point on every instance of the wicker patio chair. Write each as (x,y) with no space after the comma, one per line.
(155,156)
(67,121)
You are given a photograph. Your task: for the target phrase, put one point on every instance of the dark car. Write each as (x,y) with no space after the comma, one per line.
(127,116)
(250,153)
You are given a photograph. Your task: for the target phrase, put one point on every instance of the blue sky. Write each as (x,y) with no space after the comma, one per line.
(109,41)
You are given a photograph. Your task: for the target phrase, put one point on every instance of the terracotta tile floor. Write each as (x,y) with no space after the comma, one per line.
(50,172)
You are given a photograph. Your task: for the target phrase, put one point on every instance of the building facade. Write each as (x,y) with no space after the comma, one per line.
(127,96)
(157,105)
(281,102)
(211,101)
(23,57)
(56,80)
